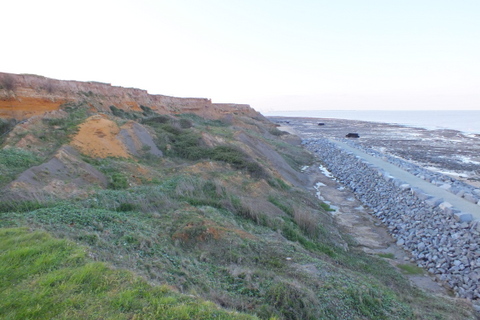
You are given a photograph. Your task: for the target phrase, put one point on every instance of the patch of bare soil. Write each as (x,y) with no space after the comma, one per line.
(26,107)
(138,140)
(359,222)
(265,152)
(100,137)
(97,137)
(63,176)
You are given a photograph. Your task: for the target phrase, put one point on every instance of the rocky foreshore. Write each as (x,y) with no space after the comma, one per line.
(438,240)
(450,184)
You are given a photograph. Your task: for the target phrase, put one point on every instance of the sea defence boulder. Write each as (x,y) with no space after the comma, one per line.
(352,135)
(441,239)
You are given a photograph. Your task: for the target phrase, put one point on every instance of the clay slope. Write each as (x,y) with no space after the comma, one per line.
(100,137)
(275,160)
(65,175)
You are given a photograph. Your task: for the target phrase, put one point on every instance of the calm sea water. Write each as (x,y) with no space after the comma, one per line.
(467,121)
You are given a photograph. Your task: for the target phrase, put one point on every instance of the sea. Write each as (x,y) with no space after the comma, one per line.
(467,121)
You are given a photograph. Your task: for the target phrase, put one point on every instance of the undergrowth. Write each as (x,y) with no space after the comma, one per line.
(248,242)
(204,239)
(46,278)
(13,161)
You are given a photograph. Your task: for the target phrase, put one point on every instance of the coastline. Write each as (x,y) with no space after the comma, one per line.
(465,121)
(402,212)
(450,152)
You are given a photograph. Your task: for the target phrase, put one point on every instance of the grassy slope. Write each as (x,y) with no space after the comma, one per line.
(46,278)
(214,221)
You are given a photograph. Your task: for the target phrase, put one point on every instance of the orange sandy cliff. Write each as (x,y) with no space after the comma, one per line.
(23,96)
(97,137)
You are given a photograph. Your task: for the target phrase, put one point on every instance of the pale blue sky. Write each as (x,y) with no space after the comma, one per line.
(274,55)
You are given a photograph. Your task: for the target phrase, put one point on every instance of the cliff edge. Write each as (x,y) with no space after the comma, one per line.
(24,95)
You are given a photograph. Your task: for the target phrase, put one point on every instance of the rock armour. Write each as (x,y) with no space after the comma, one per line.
(430,230)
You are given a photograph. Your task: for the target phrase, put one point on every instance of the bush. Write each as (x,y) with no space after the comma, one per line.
(6,126)
(156,120)
(185,123)
(147,112)
(118,181)
(238,159)
(276,132)
(8,82)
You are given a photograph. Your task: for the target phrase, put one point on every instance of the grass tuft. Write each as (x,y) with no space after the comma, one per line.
(410,269)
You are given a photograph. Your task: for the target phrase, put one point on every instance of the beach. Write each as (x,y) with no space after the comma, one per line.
(450,152)
(397,221)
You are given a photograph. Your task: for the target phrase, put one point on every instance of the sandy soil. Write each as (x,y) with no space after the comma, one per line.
(27,107)
(97,137)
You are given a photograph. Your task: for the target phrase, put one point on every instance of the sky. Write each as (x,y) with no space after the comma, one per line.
(273,55)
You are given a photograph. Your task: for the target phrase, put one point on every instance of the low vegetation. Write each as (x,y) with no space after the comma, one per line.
(46,278)
(210,221)
(14,161)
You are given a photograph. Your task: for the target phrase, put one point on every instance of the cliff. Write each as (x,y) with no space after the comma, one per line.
(23,96)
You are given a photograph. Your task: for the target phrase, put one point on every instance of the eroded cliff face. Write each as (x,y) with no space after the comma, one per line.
(23,96)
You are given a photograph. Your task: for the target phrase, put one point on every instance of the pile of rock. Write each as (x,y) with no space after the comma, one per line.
(454,186)
(438,240)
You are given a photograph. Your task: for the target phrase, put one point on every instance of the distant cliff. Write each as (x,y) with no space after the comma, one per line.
(25,95)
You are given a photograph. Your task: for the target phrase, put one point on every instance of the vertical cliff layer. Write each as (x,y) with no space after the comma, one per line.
(24,95)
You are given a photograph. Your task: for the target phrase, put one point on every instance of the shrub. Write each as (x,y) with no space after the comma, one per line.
(6,126)
(158,119)
(326,207)
(238,159)
(124,114)
(118,181)
(147,111)
(276,132)
(278,183)
(8,82)
(185,123)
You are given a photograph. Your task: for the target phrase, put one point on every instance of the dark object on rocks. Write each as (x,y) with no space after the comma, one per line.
(352,135)
(321,124)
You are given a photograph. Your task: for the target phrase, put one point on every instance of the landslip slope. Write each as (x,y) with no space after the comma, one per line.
(207,200)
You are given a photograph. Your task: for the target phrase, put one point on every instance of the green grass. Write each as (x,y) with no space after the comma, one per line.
(13,161)
(386,255)
(46,278)
(410,269)
(181,138)
(326,207)
(207,233)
